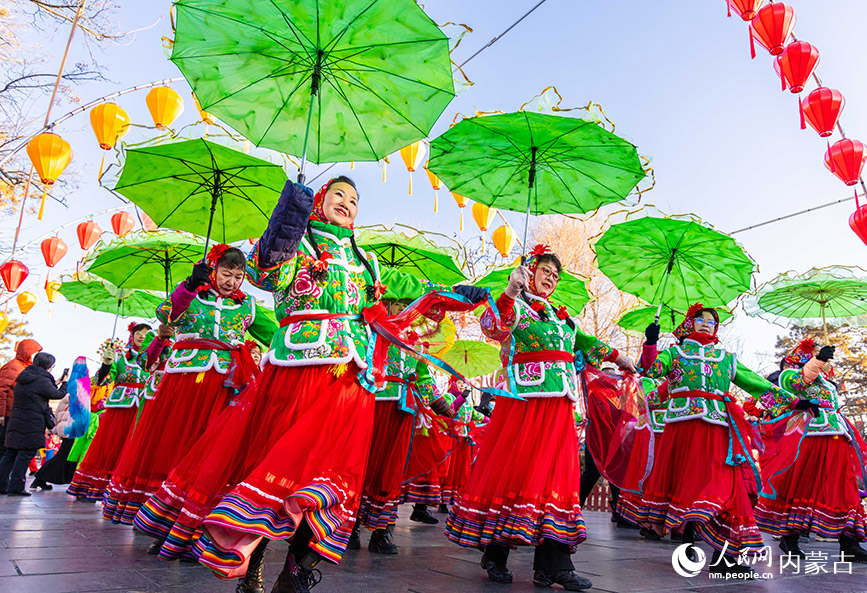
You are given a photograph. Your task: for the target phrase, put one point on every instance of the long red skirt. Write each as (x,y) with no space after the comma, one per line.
(818,493)
(691,481)
(392,434)
(458,470)
(294,448)
(95,470)
(525,485)
(170,424)
(429,461)
(629,501)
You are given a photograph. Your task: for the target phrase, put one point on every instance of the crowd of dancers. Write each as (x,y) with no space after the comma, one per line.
(215,446)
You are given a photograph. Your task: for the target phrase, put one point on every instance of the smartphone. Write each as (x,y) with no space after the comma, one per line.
(65,374)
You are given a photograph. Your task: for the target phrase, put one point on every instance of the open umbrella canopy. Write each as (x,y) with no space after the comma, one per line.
(100,296)
(571,292)
(837,294)
(674,261)
(368,76)
(152,260)
(413,254)
(572,165)
(472,358)
(637,320)
(202,187)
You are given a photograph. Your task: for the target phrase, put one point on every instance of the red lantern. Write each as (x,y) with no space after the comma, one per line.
(845,159)
(745,8)
(53,250)
(13,273)
(122,223)
(796,65)
(822,109)
(771,27)
(858,220)
(88,233)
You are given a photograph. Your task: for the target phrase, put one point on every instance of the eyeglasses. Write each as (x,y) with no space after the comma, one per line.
(707,322)
(550,273)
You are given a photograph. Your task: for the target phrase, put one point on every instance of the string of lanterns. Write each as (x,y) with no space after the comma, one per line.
(771,27)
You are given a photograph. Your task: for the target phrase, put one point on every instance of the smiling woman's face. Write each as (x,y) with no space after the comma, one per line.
(546,278)
(340,204)
(705,324)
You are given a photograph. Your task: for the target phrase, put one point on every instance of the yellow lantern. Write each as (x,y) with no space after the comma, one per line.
(109,123)
(4,321)
(165,105)
(50,154)
(504,239)
(207,117)
(25,301)
(412,156)
(437,186)
(483,216)
(52,289)
(462,202)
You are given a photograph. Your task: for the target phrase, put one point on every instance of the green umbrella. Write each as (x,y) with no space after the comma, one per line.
(183,184)
(571,292)
(836,293)
(150,260)
(103,297)
(368,76)
(472,358)
(415,255)
(637,320)
(535,162)
(673,261)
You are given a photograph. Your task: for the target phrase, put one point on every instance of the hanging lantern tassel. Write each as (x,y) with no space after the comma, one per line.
(752,44)
(436,201)
(801,111)
(351,164)
(410,183)
(384,164)
(484,240)
(42,204)
(101,165)
(462,220)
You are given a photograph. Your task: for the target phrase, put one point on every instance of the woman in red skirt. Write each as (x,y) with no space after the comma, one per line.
(209,363)
(819,492)
(287,462)
(524,486)
(127,372)
(464,426)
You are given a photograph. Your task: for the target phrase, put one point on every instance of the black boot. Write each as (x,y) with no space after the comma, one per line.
(499,573)
(254,580)
(566,578)
(689,538)
(728,566)
(443,509)
(420,514)
(789,545)
(155,547)
(649,534)
(380,542)
(354,538)
(298,576)
(851,550)
(41,485)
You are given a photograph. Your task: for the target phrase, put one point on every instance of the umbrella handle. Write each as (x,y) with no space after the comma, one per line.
(116,315)
(665,285)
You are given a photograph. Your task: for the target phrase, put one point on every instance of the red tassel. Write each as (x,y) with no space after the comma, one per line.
(729,7)
(752,44)
(801,110)
(857,206)
(782,79)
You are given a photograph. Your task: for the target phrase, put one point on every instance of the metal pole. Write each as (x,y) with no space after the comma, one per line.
(665,285)
(214,196)
(530,184)
(316,79)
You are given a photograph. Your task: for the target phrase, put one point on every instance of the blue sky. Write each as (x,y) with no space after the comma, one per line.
(676,77)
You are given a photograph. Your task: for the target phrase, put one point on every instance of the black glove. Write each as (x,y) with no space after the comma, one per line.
(472,293)
(651,334)
(442,408)
(201,275)
(826,353)
(805,404)
(287,225)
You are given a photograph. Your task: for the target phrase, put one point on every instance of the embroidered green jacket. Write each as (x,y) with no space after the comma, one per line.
(829,421)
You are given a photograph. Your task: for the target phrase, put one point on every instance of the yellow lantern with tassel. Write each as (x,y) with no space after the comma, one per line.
(206,116)
(462,202)
(165,105)
(484,216)
(25,301)
(437,185)
(52,290)
(412,156)
(49,154)
(109,123)
(504,239)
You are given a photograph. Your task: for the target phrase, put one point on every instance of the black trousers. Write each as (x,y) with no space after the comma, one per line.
(13,468)
(550,556)
(589,478)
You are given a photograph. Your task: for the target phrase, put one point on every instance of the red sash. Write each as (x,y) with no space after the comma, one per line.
(242,368)
(297,317)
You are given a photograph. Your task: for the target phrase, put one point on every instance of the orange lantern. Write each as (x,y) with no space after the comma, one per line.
(13,273)
(462,202)
(412,156)
(165,105)
(109,123)
(4,321)
(504,239)
(207,117)
(53,250)
(122,223)
(50,154)
(484,216)
(52,289)
(437,185)
(25,301)
(88,232)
